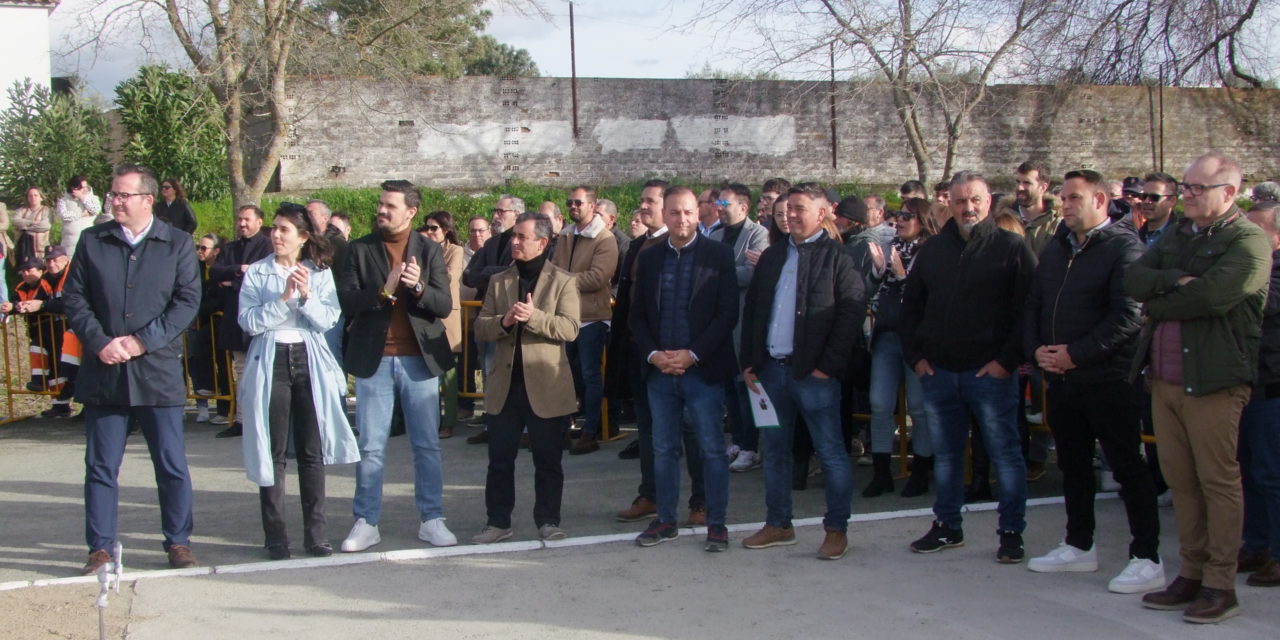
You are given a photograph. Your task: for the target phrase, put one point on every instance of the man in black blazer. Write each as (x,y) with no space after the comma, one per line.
(394,290)
(252,245)
(682,317)
(134,288)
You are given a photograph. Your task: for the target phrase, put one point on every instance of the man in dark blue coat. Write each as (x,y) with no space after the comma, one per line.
(682,318)
(134,288)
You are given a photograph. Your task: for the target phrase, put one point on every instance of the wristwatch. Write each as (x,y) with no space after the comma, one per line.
(418,288)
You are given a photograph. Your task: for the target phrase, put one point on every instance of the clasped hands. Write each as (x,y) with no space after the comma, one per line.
(1054,358)
(674,363)
(121,349)
(521,311)
(406,273)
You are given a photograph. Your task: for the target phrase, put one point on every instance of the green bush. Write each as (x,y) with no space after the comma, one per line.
(47,138)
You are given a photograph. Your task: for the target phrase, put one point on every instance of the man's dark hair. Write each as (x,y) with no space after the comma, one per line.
(942,186)
(412,196)
(1039,166)
(1160,176)
(338,215)
(776,185)
(814,190)
(252,207)
(147,178)
(656,182)
(740,191)
(541,223)
(911,186)
(589,191)
(1092,178)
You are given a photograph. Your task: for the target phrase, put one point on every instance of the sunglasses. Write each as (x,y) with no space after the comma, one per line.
(433,227)
(1154,197)
(200,248)
(905,216)
(722,203)
(575,203)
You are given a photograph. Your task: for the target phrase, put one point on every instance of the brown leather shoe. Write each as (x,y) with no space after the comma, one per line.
(446,433)
(97,558)
(641,508)
(180,557)
(585,444)
(1180,593)
(1266,576)
(479,438)
(1035,471)
(697,517)
(770,536)
(1212,606)
(834,545)
(1249,562)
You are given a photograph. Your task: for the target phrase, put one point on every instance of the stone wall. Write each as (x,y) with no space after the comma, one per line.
(473,132)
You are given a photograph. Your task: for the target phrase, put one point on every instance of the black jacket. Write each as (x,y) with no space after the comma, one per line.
(179,215)
(226,268)
(1268,383)
(1080,301)
(362,276)
(151,292)
(830,307)
(492,258)
(713,308)
(963,302)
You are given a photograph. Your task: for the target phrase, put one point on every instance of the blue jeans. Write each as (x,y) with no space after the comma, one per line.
(407,378)
(950,397)
(671,399)
(1260,474)
(888,370)
(106,430)
(586,355)
(818,400)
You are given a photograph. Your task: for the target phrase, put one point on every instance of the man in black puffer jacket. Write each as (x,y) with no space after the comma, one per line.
(961,320)
(1081,329)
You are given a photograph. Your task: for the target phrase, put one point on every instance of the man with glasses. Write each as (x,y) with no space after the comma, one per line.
(708,214)
(770,191)
(250,246)
(589,252)
(133,289)
(1204,285)
(478,229)
(1155,205)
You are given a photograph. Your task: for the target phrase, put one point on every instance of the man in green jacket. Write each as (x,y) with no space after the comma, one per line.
(1204,284)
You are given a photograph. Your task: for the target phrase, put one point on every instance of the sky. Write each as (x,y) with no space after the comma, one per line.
(631,39)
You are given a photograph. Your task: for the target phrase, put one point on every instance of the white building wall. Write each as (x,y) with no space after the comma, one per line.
(24,47)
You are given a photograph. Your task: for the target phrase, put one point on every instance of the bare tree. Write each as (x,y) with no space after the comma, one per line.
(245,51)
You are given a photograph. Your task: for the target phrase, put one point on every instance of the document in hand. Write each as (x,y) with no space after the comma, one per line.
(762,408)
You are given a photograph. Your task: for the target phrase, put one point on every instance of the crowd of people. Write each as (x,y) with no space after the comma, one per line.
(1131,316)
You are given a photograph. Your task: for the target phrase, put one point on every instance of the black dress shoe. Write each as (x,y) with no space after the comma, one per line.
(631,451)
(234,431)
(322,550)
(278,552)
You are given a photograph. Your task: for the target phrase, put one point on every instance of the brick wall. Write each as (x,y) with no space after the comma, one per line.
(473,132)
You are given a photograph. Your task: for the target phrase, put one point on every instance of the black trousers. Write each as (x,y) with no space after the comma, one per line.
(1108,413)
(546,443)
(292,408)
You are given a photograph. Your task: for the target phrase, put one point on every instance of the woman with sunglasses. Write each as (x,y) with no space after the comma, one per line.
(292,385)
(439,229)
(77,209)
(172,207)
(889,368)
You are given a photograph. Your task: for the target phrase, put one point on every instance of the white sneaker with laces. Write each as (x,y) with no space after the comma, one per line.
(746,461)
(1109,481)
(1035,418)
(220,420)
(1140,576)
(732,451)
(434,532)
(202,414)
(363,535)
(1065,558)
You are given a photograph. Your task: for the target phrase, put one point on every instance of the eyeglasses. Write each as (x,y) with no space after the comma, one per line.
(722,203)
(575,203)
(201,248)
(433,227)
(480,230)
(502,210)
(1154,197)
(1197,190)
(120,195)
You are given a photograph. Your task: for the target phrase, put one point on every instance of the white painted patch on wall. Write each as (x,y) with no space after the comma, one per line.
(496,138)
(615,134)
(770,135)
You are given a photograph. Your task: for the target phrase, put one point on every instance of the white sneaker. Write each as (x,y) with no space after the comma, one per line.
(1035,418)
(732,451)
(746,461)
(434,532)
(1140,576)
(1165,499)
(1109,481)
(1065,558)
(363,535)
(202,414)
(219,420)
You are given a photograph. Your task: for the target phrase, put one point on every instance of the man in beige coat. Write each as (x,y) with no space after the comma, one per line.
(530,311)
(588,251)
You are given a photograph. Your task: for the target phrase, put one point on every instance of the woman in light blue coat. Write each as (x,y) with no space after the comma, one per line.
(292,386)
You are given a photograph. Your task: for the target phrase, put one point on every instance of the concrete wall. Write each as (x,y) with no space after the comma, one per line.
(473,132)
(24,47)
